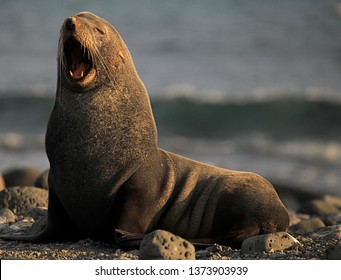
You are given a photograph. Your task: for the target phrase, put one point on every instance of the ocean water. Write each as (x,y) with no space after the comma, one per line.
(248,85)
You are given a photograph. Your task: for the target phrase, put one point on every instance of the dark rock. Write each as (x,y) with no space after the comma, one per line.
(38,226)
(320,208)
(20,227)
(271,242)
(164,245)
(42,180)
(7,215)
(21,177)
(308,225)
(333,220)
(36,213)
(333,252)
(328,233)
(21,199)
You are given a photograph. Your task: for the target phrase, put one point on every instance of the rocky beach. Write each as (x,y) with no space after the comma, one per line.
(244,85)
(314,234)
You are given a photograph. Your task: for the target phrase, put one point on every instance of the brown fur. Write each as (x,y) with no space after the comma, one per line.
(109,180)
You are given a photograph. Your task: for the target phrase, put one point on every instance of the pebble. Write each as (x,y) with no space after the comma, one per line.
(24,176)
(333,252)
(308,225)
(21,199)
(161,244)
(271,242)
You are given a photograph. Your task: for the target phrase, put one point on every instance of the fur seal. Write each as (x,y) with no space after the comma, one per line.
(108,179)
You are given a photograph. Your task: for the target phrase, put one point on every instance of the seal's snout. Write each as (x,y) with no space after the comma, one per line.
(71,23)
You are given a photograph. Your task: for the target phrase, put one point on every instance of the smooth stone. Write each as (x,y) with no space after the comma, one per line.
(21,199)
(42,180)
(271,242)
(320,208)
(296,218)
(161,244)
(333,252)
(24,176)
(333,200)
(7,215)
(307,226)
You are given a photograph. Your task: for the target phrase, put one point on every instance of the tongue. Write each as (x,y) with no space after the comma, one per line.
(77,71)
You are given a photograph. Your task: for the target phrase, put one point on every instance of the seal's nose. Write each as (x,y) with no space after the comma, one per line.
(71,23)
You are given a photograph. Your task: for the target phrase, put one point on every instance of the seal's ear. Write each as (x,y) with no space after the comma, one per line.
(121,55)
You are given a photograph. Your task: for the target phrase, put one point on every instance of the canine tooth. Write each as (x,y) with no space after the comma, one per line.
(71,74)
(82,73)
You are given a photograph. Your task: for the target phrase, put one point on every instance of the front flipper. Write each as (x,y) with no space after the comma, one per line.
(59,226)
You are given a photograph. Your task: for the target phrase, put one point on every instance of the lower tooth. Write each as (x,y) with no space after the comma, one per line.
(71,74)
(82,73)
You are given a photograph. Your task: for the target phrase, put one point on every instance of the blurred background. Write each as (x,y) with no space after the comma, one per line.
(248,85)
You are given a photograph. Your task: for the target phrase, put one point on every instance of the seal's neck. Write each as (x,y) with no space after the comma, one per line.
(109,122)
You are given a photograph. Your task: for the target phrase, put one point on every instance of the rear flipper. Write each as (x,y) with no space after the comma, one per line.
(128,240)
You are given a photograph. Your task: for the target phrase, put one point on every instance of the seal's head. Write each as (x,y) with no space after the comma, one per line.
(90,52)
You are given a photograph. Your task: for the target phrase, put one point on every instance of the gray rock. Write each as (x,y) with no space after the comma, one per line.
(320,208)
(333,220)
(36,213)
(42,180)
(161,244)
(271,242)
(21,177)
(20,227)
(7,215)
(328,233)
(38,226)
(21,199)
(333,252)
(307,226)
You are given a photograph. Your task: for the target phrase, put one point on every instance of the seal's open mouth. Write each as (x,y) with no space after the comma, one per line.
(78,60)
